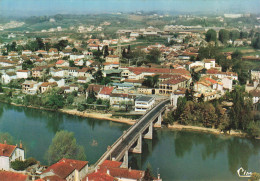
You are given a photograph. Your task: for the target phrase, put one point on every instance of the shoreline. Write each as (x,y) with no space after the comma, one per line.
(177,126)
(103,116)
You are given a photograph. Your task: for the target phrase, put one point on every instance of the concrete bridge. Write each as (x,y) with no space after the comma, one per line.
(131,139)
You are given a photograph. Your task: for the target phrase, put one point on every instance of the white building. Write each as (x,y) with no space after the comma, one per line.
(7,77)
(144,103)
(9,153)
(23,74)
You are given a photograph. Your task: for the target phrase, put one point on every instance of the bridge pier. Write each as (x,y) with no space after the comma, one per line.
(149,135)
(125,160)
(138,148)
(159,121)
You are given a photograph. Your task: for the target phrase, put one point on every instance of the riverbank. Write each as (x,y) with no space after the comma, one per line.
(98,115)
(107,116)
(177,126)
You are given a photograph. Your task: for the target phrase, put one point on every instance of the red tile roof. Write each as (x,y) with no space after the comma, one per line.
(109,163)
(126,173)
(106,90)
(65,167)
(60,62)
(22,70)
(94,87)
(139,70)
(174,81)
(6,150)
(99,176)
(11,176)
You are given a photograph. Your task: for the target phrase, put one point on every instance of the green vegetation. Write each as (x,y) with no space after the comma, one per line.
(212,115)
(22,165)
(211,35)
(6,137)
(64,145)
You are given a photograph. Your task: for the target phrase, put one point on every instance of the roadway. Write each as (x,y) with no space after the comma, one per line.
(127,140)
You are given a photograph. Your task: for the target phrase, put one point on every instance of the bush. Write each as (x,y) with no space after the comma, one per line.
(22,165)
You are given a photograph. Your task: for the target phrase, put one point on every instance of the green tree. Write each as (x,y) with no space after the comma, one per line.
(106,53)
(64,145)
(256,42)
(154,55)
(223,35)
(54,99)
(98,76)
(234,34)
(211,35)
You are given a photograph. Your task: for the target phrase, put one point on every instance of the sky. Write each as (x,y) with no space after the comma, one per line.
(51,7)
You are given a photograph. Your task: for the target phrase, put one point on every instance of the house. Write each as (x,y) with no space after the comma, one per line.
(105,93)
(75,56)
(60,81)
(67,170)
(37,72)
(209,63)
(79,62)
(46,86)
(112,58)
(53,51)
(6,63)
(13,176)
(59,73)
(62,63)
(175,95)
(167,87)
(23,74)
(144,103)
(255,74)
(31,87)
(42,52)
(26,52)
(9,153)
(255,95)
(112,171)
(118,100)
(227,83)
(82,80)
(73,71)
(110,65)
(7,77)
(93,87)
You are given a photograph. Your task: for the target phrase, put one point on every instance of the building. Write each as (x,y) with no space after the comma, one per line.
(112,59)
(23,74)
(9,153)
(112,171)
(12,176)
(67,170)
(105,93)
(46,86)
(144,103)
(7,77)
(175,95)
(167,87)
(62,63)
(121,100)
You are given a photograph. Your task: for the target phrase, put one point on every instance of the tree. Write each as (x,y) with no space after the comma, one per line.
(54,99)
(211,35)
(201,98)
(106,53)
(71,63)
(27,64)
(234,34)
(223,36)
(256,42)
(154,55)
(98,76)
(64,145)
(151,81)
(1,87)
(148,175)
(40,43)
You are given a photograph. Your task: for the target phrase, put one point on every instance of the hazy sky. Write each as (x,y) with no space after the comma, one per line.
(48,7)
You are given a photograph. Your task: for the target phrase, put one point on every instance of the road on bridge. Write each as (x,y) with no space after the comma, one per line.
(120,148)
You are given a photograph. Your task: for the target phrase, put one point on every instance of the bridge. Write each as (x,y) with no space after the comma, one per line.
(131,139)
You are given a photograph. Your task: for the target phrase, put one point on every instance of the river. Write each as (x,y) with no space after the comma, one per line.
(176,155)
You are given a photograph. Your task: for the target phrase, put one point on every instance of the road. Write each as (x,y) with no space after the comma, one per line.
(120,148)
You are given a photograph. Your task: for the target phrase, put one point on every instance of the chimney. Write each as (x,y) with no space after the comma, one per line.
(108,172)
(158,176)
(21,145)
(5,142)
(130,169)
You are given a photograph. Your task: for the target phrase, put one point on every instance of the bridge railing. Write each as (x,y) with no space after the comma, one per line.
(120,139)
(141,131)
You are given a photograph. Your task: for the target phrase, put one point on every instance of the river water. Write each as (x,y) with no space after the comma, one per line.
(176,155)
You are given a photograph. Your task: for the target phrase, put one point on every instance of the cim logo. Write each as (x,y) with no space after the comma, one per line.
(243,173)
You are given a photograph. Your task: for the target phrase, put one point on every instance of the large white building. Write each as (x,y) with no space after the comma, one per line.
(144,103)
(9,153)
